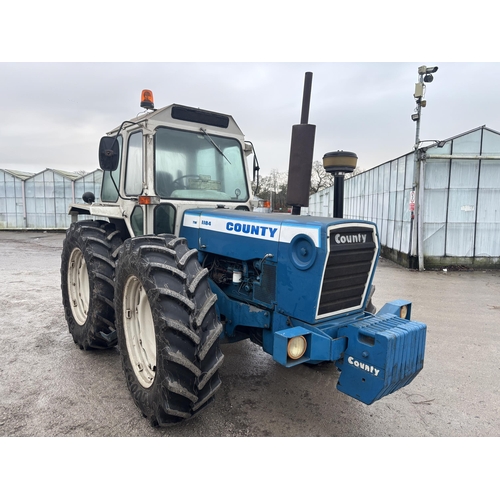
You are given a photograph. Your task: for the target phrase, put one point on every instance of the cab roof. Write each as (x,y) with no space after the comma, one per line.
(178,115)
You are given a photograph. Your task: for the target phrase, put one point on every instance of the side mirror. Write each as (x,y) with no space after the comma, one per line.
(256,167)
(108,154)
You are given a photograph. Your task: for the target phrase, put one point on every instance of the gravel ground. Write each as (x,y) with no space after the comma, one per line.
(51,388)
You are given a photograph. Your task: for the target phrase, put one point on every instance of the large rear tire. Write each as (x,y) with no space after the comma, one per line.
(87,274)
(168,330)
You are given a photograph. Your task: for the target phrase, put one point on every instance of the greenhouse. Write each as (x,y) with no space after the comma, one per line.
(453,220)
(40,201)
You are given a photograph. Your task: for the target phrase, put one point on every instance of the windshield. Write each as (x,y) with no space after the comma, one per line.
(198,166)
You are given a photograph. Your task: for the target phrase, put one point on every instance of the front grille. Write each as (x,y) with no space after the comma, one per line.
(349,264)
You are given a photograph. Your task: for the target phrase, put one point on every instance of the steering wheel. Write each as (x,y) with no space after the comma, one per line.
(182,185)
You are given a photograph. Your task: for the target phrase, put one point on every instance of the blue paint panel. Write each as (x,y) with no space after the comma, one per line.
(299,289)
(246,235)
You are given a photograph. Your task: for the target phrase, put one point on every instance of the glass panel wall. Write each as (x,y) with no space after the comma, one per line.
(44,197)
(461,211)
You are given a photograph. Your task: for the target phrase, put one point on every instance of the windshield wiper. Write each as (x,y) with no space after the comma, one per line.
(215,145)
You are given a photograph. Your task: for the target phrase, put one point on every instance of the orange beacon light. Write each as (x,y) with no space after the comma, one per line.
(147,101)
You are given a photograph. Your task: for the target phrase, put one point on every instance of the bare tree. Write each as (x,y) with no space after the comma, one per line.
(273,187)
(320,178)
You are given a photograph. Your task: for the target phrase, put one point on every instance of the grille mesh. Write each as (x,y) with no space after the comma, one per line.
(352,252)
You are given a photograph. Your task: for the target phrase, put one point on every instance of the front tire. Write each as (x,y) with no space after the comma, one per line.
(168,330)
(87,274)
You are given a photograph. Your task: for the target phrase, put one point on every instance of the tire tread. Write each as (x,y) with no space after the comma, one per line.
(98,241)
(187,328)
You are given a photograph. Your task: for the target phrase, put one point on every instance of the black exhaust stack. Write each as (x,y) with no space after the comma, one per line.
(301,155)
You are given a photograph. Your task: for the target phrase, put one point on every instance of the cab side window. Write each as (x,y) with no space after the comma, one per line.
(133,178)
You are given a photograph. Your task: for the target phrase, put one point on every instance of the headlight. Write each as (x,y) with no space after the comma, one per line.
(403,312)
(296,347)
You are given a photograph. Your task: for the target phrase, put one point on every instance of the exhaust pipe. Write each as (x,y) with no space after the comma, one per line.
(301,155)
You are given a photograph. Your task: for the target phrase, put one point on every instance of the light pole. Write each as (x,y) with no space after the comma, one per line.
(424,76)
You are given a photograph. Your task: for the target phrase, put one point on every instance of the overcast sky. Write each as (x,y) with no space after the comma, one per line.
(56,113)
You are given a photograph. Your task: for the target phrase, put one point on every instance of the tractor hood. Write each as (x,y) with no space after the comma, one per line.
(321,267)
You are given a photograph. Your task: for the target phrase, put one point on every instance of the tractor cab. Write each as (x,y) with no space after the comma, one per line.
(166,161)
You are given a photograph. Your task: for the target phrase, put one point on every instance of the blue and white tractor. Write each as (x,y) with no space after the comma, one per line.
(171,262)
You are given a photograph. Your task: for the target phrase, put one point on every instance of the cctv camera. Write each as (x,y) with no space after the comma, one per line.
(425,70)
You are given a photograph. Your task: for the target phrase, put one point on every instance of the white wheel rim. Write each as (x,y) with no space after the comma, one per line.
(78,286)
(139,329)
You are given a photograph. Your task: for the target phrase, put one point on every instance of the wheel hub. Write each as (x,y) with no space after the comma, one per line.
(139,331)
(78,286)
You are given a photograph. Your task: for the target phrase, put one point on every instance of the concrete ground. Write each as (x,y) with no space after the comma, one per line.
(49,387)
